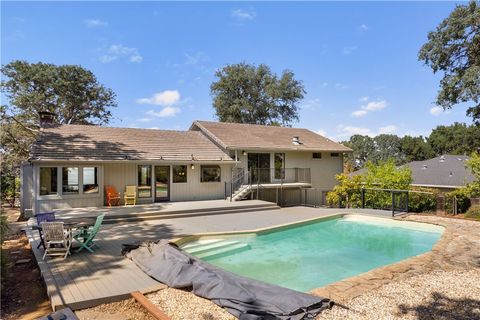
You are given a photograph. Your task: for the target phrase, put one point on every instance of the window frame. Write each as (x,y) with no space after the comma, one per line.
(202,167)
(143,188)
(63,181)
(57,191)
(96,179)
(173,173)
(313,155)
(334,154)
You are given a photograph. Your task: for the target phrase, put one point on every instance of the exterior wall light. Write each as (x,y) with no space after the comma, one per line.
(192,166)
(244,152)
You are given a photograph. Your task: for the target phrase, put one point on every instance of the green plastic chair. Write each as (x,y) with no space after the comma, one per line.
(86,237)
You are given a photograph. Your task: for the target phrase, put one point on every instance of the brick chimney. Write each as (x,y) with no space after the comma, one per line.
(46,119)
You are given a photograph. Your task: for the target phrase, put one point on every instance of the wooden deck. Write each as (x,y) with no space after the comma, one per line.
(86,279)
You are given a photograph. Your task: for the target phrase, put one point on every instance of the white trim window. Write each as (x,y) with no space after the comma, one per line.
(70,180)
(48,181)
(90,180)
(210,173)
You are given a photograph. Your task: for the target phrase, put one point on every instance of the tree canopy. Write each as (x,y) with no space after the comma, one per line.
(71,92)
(454,49)
(246,93)
(457,138)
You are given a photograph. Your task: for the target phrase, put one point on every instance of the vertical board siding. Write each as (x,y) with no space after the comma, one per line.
(27,187)
(120,175)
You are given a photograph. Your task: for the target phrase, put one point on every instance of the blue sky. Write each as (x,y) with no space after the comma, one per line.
(358,61)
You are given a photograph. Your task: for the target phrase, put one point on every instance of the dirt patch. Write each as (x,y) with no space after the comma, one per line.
(24,295)
(127,309)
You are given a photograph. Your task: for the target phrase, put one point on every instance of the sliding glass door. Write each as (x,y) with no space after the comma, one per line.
(259,167)
(162,183)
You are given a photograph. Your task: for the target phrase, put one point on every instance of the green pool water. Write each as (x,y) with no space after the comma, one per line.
(313,255)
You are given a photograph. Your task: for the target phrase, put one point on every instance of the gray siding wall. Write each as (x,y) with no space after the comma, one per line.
(65,201)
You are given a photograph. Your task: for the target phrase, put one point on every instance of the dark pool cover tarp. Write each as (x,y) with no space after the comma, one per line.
(245,298)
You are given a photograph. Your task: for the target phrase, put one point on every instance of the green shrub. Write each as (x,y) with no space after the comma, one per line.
(424,200)
(463,200)
(473,212)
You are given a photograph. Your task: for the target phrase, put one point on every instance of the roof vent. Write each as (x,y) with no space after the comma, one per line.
(451,173)
(424,167)
(442,159)
(296,140)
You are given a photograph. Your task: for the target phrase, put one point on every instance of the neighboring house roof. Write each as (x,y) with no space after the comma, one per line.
(237,136)
(447,171)
(83,142)
(444,171)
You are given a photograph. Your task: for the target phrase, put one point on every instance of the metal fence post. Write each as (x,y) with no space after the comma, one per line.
(363,198)
(393,203)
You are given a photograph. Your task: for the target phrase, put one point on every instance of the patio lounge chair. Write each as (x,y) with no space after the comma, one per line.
(130,195)
(86,236)
(112,195)
(57,241)
(43,217)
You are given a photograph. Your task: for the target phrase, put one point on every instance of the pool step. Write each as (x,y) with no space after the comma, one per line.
(211,247)
(200,243)
(231,249)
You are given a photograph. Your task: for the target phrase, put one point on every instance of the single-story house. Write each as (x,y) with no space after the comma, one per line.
(70,165)
(445,173)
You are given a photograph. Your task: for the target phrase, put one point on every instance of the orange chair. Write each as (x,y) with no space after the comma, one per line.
(113,196)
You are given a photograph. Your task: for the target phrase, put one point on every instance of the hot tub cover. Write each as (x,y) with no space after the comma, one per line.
(243,297)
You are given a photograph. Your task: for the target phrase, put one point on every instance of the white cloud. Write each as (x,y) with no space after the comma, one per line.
(144,119)
(93,23)
(359,113)
(436,111)
(116,51)
(349,50)
(387,129)
(364,99)
(375,105)
(341,86)
(346,131)
(324,84)
(244,14)
(363,27)
(166,112)
(311,104)
(369,107)
(164,98)
(321,132)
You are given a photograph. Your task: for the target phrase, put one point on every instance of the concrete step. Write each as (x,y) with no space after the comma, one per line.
(211,247)
(157,215)
(234,248)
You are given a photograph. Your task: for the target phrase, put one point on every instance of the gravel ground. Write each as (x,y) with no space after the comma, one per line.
(124,310)
(182,305)
(437,295)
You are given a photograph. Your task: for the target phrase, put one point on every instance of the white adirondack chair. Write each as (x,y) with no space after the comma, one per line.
(57,240)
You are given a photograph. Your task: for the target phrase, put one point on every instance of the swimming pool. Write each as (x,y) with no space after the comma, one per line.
(307,256)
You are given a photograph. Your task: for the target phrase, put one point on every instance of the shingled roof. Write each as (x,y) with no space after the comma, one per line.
(248,136)
(81,142)
(447,171)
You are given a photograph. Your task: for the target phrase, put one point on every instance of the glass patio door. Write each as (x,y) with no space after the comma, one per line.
(259,167)
(162,183)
